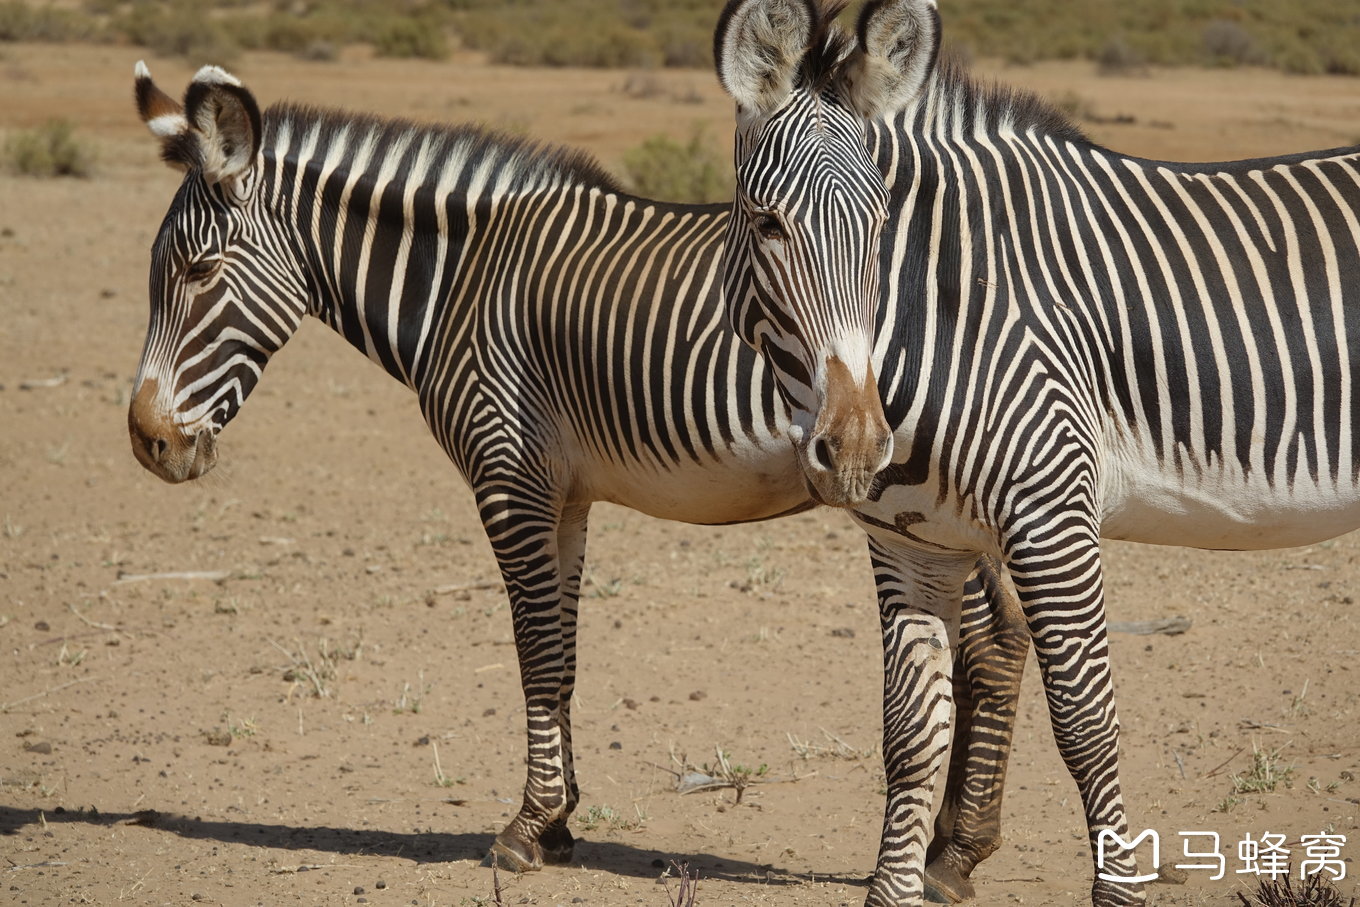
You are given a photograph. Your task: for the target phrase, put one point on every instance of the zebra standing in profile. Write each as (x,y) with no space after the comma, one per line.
(567,345)
(1058,343)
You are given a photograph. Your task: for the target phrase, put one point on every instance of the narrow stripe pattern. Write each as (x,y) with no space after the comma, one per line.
(567,344)
(1071,344)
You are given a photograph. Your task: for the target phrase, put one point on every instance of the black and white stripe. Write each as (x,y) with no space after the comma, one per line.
(567,344)
(1071,344)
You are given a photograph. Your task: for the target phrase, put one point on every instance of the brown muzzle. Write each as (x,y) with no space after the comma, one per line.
(162,446)
(851,440)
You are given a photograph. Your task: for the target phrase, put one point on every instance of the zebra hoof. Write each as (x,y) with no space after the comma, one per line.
(557,844)
(514,855)
(944,885)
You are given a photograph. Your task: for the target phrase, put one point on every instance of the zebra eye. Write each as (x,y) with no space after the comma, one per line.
(769,226)
(202,269)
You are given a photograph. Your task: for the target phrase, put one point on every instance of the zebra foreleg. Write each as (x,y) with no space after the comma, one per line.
(993,645)
(1057,574)
(556,841)
(539,550)
(918,598)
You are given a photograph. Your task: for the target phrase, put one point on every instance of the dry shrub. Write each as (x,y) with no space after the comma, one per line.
(21,22)
(50,150)
(411,38)
(662,168)
(1229,44)
(1316,892)
(1120,58)
(179,31)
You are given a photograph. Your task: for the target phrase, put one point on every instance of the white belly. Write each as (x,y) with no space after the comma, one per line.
(1220,507)
(751,482)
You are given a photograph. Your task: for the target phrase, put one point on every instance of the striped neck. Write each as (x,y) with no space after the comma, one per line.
(381,212)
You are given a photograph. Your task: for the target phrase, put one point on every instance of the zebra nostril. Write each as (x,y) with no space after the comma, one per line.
(823,455)
(157,448)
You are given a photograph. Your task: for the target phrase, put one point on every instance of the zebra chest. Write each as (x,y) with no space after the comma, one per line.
(917,516)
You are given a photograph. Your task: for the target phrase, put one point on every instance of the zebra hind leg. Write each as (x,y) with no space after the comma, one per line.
(993,645)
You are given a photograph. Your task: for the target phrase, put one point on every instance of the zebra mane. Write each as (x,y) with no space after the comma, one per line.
(971,106)
(830,47)
(952,90)
(462,145)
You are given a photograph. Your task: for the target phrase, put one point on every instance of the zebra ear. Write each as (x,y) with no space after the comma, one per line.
(899,41)
(225,119)
(164,116)
(758,47)
(216,131)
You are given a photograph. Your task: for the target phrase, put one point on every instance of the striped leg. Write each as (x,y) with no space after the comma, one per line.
(1057,574)
(556,841)
(530,537)
(918,598)
(993,645)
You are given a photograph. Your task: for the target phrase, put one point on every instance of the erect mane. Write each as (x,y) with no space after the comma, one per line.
(987,106)
(830,46)
(464,145)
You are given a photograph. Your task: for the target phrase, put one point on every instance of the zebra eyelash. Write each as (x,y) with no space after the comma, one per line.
(202,269)
(768,225)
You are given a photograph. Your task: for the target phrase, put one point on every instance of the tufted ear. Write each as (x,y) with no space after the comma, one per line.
(758,47)
(216,131)
(899,41)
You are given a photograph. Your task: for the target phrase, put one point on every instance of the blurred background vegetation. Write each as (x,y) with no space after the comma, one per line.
(1301,36)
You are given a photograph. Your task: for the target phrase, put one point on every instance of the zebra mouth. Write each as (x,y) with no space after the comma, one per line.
(180,459)
(205,453)
(814,493)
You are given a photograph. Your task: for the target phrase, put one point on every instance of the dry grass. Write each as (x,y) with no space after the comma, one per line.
(1316,892)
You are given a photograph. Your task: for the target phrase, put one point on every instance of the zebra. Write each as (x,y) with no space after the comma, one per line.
(1064,344)
(567,344)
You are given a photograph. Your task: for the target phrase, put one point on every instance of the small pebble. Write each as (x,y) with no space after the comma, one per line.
(358,889)
(616,745)
(380,885)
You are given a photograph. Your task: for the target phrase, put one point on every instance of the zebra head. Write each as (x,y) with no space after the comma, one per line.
(223,297)
(802,255)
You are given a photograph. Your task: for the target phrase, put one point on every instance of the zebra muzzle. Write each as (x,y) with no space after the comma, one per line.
(163,447)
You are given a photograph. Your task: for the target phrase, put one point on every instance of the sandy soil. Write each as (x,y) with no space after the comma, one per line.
(162,740)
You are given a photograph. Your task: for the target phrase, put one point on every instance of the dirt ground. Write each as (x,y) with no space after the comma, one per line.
(162,740)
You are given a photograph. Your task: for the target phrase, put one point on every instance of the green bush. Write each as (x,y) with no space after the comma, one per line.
(50,150)
(693,171)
